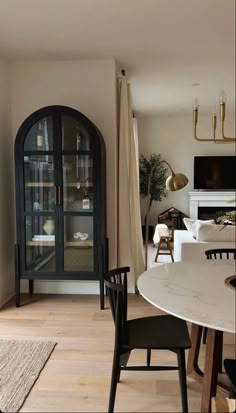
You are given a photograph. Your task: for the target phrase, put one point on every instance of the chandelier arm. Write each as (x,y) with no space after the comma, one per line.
(228,139)
(225,138)
(213,139)
(222,120)
(220,141)
(195,119)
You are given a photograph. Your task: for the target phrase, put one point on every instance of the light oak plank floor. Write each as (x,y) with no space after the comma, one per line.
(77,376)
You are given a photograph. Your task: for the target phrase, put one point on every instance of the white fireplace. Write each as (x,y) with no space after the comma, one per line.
(200,199)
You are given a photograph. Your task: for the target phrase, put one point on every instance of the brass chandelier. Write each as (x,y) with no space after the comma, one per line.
(223,139)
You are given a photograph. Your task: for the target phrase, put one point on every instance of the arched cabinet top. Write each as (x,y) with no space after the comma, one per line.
(41,131)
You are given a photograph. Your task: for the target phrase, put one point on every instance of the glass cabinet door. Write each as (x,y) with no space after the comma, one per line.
(77,167)
(77,183)
(78,211)
(40,136)
(39,183)
(78,243)
(40,243)
(39,197)
(74,136)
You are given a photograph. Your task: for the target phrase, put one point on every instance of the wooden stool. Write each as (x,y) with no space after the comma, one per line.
(164,238)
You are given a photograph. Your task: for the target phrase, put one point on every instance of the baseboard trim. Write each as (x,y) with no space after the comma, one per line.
(62,287)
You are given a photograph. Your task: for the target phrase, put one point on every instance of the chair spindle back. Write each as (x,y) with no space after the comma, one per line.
(221,253)
(116,284)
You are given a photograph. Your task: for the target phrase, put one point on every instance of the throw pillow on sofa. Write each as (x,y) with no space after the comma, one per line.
(215,232)
(191,225)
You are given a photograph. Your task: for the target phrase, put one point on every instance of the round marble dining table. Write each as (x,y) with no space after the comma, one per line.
(195,291)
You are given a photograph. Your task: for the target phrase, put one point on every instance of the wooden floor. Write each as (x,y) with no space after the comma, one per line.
(77,376)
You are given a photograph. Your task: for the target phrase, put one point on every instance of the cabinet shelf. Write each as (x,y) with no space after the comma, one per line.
(80,244)
(82,185)
(51,184)
(40,243)
(39,184)
(84,244)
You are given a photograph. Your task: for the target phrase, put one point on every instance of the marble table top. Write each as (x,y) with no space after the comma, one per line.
(193,291)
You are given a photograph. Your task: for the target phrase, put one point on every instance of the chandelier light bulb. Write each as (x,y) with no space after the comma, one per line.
(222,96)
(195,103)
(214,111)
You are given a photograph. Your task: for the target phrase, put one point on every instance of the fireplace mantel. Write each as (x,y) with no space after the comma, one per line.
(210,199)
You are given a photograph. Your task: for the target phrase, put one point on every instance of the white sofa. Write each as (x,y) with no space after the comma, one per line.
(186,247)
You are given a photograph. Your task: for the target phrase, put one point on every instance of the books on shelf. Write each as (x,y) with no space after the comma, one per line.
(43,238)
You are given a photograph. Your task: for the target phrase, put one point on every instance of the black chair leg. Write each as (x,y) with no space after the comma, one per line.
(204,336)
(118,375)
(124,358)
(183,380)
(148,357)
(114,378)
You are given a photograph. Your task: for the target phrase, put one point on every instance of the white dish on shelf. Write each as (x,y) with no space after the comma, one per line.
(83,236)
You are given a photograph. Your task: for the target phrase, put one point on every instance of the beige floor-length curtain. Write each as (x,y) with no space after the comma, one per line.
(130,244)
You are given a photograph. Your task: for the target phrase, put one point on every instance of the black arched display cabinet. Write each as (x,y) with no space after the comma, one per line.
(60,169)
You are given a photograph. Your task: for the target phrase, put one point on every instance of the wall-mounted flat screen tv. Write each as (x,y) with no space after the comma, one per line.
(214,172)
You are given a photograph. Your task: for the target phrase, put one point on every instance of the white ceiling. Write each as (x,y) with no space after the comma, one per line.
(172,50)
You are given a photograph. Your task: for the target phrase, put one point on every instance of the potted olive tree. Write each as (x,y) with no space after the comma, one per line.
(152,175)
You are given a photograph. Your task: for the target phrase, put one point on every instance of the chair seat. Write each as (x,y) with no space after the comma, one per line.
(157,332)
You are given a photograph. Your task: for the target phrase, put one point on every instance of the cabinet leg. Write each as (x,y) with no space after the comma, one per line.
(31,287)
(17,276)
(17,300)
(101,294)
(17,292)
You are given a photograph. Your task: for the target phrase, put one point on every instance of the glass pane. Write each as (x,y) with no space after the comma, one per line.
(78,183)
(39,183)
(78,243)
(74,135)
(40,243)
(40,136)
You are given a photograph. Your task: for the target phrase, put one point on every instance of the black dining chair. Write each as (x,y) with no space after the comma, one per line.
(230,369)
(163,332)
(221,254)
(227,405)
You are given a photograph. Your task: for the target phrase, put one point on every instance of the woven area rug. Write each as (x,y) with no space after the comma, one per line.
(20,365)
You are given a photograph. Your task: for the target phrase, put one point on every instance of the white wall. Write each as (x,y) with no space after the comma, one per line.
(7,216)
(172,137)
(86,85)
